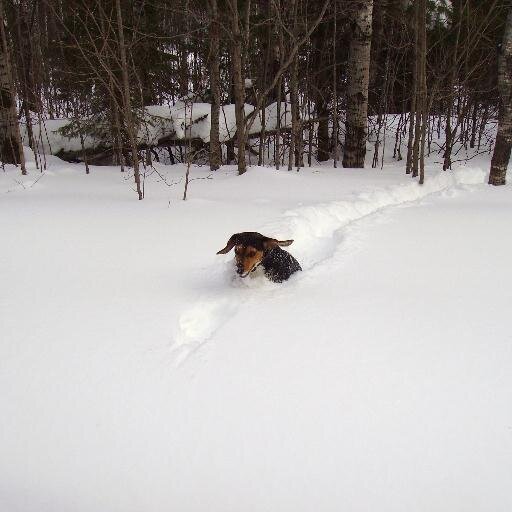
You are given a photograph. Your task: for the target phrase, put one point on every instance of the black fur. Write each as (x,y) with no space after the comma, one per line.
(254,239)
(279,264)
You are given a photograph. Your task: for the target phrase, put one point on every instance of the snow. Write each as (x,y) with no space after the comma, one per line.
(178,122)
(139,373)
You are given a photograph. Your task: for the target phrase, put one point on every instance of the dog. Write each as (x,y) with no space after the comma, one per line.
(255,249)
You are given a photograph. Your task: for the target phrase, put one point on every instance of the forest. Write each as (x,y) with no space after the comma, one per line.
(292,82)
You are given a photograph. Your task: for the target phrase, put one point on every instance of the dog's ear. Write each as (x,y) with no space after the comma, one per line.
(231,243)
(270,243)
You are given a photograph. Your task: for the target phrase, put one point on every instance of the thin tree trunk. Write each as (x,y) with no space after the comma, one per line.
(413,114)
(24,89)
(11,148)
(419,106)
(357,86)
(295,154)
(215,152)
(294,107)
(452,75)
(410,134)
(503,144)
(474,123)
(334,92)
(238,85)
(128,116)
(277,145)
(320,90)
(422,68)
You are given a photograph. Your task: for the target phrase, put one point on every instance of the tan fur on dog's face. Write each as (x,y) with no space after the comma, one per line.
(247,259)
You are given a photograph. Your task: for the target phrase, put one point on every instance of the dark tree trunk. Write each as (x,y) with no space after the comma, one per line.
(503,144)
(238,85)
(127,110)
(11,149)
(452,77)
(422,81)
(295,136)
(376,60)
(215,152)
(321,90)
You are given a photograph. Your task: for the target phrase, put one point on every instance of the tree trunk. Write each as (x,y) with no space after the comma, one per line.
(321,90)
(238,85)
(503,144)
(127,104)
(417,81)
(357,86)
(376,61)
(11,148)
(334,91)
(422,92)
(215,152)
(451,86)
(295,139)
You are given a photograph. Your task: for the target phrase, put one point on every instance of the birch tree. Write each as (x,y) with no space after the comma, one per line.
(357,86)
(503,145)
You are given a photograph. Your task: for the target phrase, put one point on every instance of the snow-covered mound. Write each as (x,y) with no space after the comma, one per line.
(178,122)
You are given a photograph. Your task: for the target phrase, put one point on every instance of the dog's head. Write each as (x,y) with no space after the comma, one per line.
(250,248)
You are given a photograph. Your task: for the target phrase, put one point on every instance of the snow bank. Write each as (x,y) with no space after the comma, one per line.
(314,226)
(179,122)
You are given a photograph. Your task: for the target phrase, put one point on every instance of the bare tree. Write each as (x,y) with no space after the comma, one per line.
(295,136)
(11,149)
(503,146)
(238,85)
(127,110)
(422,83)
(215,150)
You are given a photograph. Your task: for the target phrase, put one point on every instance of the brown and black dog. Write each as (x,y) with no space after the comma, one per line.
(254,249)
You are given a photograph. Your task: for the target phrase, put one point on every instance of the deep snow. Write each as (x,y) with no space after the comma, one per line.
(138,373)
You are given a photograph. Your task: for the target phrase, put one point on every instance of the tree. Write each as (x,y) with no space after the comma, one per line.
(11,149)
(127,110)
(238,85)
(215,151)
(503,145)
(357,87)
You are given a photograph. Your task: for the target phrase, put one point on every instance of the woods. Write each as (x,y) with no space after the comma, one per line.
(256,81)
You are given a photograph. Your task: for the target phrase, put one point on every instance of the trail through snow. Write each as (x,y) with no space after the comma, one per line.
(320,231)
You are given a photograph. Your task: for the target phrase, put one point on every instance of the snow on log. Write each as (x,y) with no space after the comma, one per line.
(158,125)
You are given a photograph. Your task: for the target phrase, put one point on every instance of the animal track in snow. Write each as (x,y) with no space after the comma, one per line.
(318,231)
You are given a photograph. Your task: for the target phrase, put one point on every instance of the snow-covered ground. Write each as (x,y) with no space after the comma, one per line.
(138,373)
